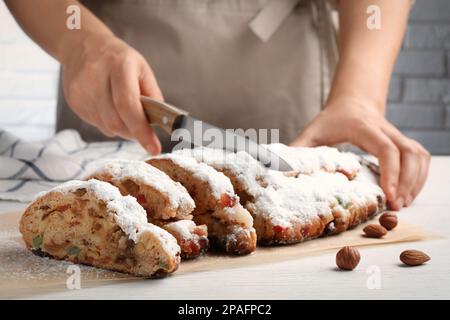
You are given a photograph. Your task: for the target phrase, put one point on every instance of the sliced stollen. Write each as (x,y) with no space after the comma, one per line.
(230,226)
(164,200)
(192,239)
(161,197)
(246,174)
(290,207)
(294,209)
(90,222)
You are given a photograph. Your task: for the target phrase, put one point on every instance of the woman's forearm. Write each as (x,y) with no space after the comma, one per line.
(45,22)
(367,56)
(103,76)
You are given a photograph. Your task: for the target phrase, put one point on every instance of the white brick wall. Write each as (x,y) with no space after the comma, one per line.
(419,98)
(28,83)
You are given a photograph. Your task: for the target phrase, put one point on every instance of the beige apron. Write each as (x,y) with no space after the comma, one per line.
(233,63)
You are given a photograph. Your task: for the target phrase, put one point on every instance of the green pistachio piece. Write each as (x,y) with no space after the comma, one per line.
(37,242)
(342,203)
(73,250)
(162,265)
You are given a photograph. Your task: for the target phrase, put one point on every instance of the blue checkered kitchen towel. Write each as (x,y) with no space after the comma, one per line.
(27,168)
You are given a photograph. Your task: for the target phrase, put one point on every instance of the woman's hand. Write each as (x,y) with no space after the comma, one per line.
(103,80)
(403,162)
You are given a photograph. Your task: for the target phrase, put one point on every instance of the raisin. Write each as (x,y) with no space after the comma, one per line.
(97,226)
(74,223)
(193,191)
(62,208)
(141,199)
(204,243)
(131,186)
(40,253)
(80,192)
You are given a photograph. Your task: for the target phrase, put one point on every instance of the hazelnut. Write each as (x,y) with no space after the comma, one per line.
(347,258)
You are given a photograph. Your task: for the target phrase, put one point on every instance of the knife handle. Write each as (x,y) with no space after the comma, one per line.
(160,113)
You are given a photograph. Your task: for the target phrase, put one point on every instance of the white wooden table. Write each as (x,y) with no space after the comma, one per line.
(315,277)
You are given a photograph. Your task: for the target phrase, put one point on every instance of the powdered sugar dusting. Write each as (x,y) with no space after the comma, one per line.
(182,227)
(286,199)
(20,266)
(219,183)
(246,169)
(142,172)
(128,213)
(289,199)
(309,160)
(167,241)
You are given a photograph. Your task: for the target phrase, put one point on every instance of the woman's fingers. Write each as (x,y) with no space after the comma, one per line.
(424,167)
(126,97)
(147,83)
(410,172)
(371,139)
(109,116)
(414,165)
(305,139)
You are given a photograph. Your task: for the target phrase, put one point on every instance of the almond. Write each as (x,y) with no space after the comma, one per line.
(374,231)
(347,258)
(388,220)
(414,257)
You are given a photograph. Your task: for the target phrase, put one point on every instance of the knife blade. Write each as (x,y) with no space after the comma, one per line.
(198,133)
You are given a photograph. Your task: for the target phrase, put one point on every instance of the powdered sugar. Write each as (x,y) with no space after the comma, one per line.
(309,160)
(246,169)
(183,227)
(167,241)
(129,215)
(289,199)
(20,264)
(144,173)
(219,183)
(285,199)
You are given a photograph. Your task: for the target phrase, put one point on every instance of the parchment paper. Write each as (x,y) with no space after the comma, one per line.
(22,273)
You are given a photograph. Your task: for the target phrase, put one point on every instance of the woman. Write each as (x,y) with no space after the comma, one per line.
(236,64)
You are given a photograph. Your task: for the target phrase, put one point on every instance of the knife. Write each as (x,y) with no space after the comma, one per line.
(199,133)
